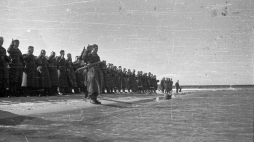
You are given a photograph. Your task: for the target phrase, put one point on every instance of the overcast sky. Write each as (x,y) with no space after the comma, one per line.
(199,42)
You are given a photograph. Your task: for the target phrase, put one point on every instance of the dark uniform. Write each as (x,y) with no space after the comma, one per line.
(134,81)
(62,75)
(114,75)
(79,77)
(30,75)
(139,82)
(44,80)
(71,78)
(4,72)
(129,80)
(53,75)
(94,74)
(162,85)
(16,68)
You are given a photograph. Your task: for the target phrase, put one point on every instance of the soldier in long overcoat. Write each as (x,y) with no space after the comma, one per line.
(94,73)
(79,76)
(129,80)
(44,80)
(134,81)
(140,82)
(16,68)
(30,78)
(62,75)
(115,79)
(71,78)
(53,74)
(4,70)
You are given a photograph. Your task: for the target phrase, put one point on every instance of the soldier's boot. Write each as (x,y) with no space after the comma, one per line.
(93,99)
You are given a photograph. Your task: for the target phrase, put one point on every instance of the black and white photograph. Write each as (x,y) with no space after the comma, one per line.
(126,71)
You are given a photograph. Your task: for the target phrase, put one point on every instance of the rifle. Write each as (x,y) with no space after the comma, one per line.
(79,70)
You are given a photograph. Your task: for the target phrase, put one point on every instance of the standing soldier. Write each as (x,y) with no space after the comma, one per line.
(155,83)
(149,83)
(140,82)
(30,76)
(119,79)
(124,80)
(44,80)
(53,75)
(16,68)
(4,73)
(105,77)
(134,81)
(94,74)
(167,85)
(129,80)
(79,76)
(71,78)
(177,86)
(110,78)
(62,75)
(115,78)
(162,85)
(144,78)
(171,83)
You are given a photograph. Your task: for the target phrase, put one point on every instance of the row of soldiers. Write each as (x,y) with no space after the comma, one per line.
(119,80)
(166,85)
(26,74)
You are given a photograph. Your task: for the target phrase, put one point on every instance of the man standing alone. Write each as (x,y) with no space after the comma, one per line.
(177,86)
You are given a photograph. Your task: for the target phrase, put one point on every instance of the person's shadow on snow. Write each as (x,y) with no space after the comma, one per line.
(11,119)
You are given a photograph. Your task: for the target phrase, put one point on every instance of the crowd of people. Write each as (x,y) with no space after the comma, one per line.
(30,75)
(166,85)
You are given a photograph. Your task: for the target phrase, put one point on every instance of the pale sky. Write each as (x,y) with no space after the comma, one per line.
(199,42)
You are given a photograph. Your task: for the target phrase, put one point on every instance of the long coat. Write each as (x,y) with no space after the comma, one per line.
(71,74)
(44,80)
(79,76)
(94,74)
(134,82)
(167,85)
(61,65)
(139,80)
(16,65)
(53,74)
(4,71)
(129,80)
(30,70)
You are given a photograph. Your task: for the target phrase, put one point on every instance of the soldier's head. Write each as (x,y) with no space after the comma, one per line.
(52,54)
(69,56)
(77,58)
(89,48)
(95,49)
(134,70)
(62,53)
(16,43)
(43,53)
(1,41)
(30,49)
(119,67)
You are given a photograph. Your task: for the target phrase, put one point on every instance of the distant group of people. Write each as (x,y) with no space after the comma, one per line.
(27,74)
(167,85)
